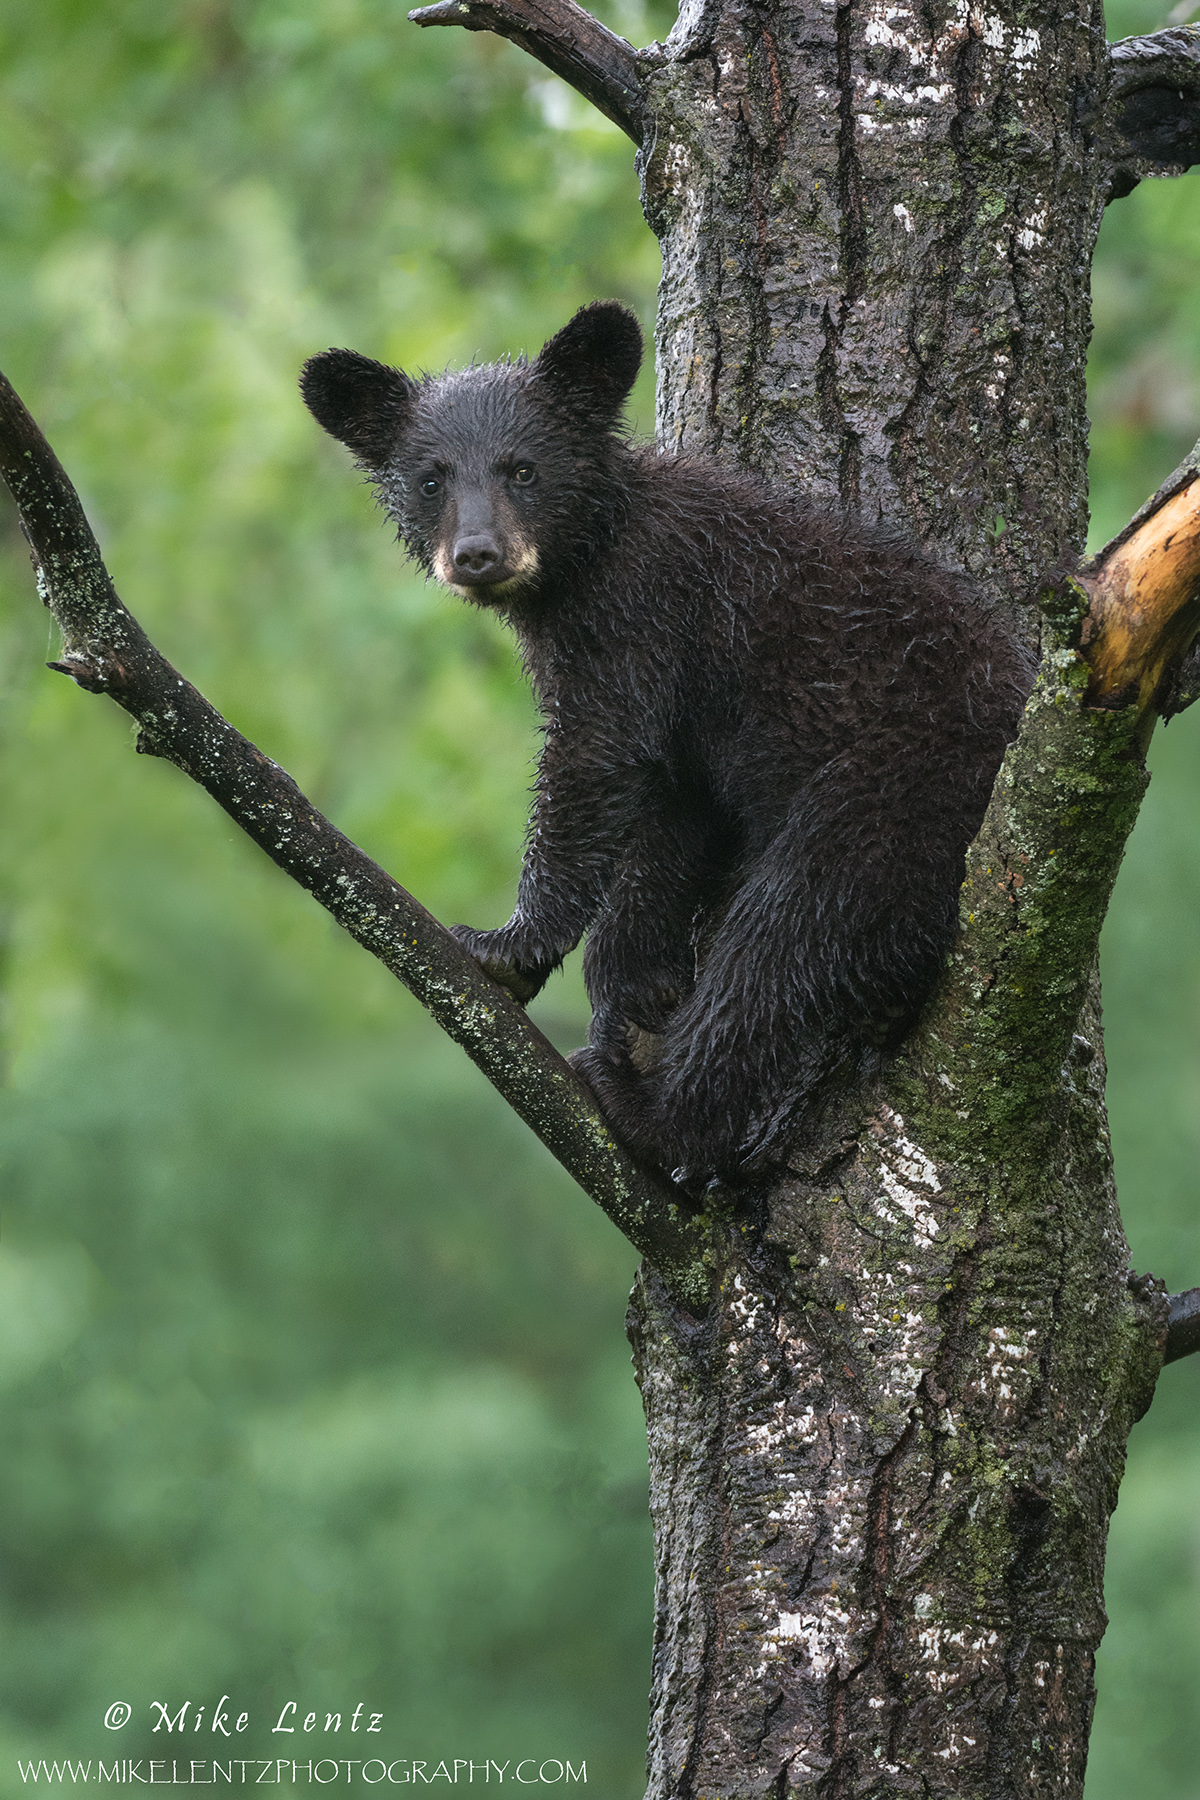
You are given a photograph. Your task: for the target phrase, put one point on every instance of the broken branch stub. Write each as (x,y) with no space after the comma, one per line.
(567,40)
(1183,1325)
(1144,604)
(1152,114)
(1108,578)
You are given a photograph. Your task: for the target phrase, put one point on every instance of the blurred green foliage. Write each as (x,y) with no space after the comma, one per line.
(312,1379)
(1145,407)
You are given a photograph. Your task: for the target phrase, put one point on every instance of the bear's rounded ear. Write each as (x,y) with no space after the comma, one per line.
(593,361)
(364,404)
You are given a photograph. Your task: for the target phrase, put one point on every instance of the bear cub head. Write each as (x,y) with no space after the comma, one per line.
(502,477)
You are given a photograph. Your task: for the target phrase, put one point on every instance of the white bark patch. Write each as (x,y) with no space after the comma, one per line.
(887,1315)
(1009,1368)
(823,1638)
(676,169)
(892,27)
(882,31)
(904,1170)
(745,1307)
(956,1656)
(994,388)
(888,90)
(1025,49)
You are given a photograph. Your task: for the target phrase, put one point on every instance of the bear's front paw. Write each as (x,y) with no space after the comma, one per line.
(498,957)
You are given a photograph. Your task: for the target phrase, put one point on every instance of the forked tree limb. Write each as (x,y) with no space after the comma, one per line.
(106,651)
(568,40)
(1149,121)
(1152,116)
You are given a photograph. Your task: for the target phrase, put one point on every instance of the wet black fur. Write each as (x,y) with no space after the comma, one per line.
(771,732)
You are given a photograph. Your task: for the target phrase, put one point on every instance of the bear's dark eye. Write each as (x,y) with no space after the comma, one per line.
(430,485)
(524,474)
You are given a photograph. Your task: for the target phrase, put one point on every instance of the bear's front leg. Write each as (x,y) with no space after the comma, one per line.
(590,793)
(640,960)
(510,957)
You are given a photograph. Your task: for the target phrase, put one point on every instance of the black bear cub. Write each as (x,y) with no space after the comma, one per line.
(771,733)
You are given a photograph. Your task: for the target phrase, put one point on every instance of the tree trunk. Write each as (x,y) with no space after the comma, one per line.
(877,226)
(882,1466)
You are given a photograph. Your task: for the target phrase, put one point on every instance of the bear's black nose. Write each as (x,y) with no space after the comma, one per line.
(476,555)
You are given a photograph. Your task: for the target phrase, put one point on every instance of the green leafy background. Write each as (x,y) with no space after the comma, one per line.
(313,1384)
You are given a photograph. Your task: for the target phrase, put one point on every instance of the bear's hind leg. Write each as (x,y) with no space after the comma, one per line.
(828,947)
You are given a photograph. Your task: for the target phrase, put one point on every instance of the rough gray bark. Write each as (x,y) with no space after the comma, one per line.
(877,224)
(882,1473)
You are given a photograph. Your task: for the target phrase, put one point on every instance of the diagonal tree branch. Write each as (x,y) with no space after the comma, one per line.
(1152,115)
(594,60)
(1040,873)
(107,652)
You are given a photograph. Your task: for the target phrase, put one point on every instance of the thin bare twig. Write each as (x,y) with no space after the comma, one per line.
(594,60)
(106,651)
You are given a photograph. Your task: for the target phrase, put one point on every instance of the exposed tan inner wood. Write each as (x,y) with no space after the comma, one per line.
(1145,602)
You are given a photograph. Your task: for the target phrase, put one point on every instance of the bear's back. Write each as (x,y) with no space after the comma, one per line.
(804,630)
